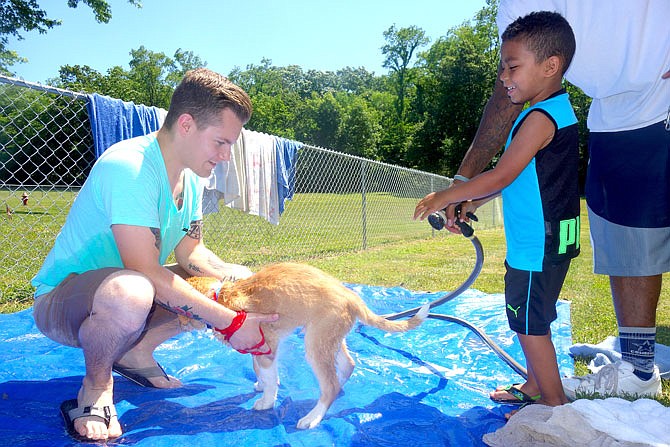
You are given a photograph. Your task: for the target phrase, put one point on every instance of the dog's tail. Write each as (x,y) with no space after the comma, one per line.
(369,318)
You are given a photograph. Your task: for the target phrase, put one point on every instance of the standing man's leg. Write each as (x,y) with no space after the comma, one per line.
(635,301)
(628,196)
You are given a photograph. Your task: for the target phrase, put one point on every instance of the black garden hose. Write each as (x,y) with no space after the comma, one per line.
(437,221)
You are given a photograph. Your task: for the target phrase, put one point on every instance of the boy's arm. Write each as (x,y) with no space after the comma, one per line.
(535,133)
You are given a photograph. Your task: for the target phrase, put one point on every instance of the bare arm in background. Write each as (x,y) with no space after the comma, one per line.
(496,123)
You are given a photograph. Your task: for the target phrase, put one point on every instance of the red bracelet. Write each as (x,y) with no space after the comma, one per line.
(237,323)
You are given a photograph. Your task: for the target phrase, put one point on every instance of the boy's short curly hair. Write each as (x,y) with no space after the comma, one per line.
(546,34)
(203,94)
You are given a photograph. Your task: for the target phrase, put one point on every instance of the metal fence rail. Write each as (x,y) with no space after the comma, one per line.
(342,203)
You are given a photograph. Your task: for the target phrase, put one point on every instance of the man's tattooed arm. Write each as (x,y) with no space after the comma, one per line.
(194,268)
(216,263)
(185,310)
(496,122)
(195,232)
(213,262)
(157,234)
(180,310)
(205,263)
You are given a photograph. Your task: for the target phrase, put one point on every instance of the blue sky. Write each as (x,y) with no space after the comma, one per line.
(319,35)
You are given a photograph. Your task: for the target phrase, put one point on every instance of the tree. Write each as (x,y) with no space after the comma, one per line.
(150,81)
(80,78)
(327,116)
(150,72)
(458,74)
(185,61)
(398,52)
(26,15)
(360,131)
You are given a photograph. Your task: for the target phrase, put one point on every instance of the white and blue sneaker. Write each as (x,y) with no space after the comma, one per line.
(615,379)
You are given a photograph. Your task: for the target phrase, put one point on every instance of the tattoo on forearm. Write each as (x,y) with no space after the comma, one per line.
(194,268)
(157,234)
(180,310)
(195,232)
(216,263)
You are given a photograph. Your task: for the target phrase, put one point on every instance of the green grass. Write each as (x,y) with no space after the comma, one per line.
(438,264)
(312,226)
(322,235)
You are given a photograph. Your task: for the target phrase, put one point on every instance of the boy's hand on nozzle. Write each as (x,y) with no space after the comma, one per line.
(438,220)
(428,205)
(452,213)
(458,213)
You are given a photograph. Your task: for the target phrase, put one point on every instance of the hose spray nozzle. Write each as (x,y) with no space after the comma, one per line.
(438,220)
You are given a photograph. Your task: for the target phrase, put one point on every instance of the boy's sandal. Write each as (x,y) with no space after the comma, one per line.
(518,396)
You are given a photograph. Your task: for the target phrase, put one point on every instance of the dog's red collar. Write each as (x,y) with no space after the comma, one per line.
(254,349)
(235,325)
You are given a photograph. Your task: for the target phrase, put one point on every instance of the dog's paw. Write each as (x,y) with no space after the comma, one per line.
(308,422)
(313,418)
(264,404)
(260,386)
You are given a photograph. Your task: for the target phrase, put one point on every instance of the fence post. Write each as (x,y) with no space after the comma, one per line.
(364,206)
(432,189)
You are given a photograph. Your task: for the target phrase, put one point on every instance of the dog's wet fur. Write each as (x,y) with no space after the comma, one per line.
(306,297)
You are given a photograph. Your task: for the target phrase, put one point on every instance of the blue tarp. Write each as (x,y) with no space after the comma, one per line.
(427,387)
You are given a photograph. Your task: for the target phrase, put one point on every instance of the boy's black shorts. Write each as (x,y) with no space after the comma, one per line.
(530,297)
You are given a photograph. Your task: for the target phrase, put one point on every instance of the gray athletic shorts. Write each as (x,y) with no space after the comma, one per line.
(628,251)
(60,313)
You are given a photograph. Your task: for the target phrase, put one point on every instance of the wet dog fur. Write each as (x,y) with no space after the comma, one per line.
(306,297)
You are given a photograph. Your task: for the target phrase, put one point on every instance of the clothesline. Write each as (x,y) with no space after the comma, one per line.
(257,180)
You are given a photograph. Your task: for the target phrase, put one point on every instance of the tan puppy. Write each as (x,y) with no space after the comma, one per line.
(303,296)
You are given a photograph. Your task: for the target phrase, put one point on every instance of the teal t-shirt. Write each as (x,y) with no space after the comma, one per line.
(128,185)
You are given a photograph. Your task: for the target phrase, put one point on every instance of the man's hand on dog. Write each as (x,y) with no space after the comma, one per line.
(247,338)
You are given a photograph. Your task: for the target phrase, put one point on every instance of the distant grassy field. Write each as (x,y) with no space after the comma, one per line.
(312,226)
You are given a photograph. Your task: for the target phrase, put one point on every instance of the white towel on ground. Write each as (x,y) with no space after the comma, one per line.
(609,351)
(611,422)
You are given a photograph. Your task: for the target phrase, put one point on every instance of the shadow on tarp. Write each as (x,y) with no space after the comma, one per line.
(427,386)
(396,419)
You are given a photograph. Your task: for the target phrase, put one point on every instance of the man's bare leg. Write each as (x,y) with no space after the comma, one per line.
(103,336)
(635,299)
(162,326)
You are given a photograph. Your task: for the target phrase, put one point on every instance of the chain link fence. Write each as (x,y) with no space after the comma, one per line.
(341,203)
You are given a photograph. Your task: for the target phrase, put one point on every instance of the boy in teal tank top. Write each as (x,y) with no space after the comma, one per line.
(537,175)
